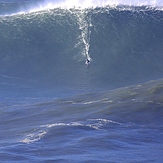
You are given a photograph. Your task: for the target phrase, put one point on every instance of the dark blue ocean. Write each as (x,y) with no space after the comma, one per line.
(55,108)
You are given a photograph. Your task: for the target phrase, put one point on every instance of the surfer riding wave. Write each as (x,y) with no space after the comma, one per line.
(88,61)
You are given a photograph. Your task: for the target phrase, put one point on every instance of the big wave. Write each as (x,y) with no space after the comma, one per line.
(49,47)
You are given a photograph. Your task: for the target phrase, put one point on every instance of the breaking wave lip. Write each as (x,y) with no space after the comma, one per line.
(84,4)
(95,124)
(67,4)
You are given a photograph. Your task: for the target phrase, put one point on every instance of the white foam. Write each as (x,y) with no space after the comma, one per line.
(105,121)
(96,124)
(99,3)
(32,137)
(83,4)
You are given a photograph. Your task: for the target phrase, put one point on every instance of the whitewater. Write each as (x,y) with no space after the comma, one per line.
(54,107)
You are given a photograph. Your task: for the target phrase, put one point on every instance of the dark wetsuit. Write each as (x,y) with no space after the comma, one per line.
(87,61)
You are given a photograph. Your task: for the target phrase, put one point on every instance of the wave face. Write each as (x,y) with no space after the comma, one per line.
(49,47)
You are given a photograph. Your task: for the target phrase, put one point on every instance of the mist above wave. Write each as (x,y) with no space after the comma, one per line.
(68,4)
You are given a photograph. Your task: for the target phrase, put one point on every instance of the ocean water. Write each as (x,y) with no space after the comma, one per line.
(55,108)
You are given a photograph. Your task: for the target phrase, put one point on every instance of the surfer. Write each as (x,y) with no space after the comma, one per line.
(87,62)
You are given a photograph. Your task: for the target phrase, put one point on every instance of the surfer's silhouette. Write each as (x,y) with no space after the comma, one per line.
(87,62)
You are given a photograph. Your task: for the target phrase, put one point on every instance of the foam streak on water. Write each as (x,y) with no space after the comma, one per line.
(95,124)
(84,26)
